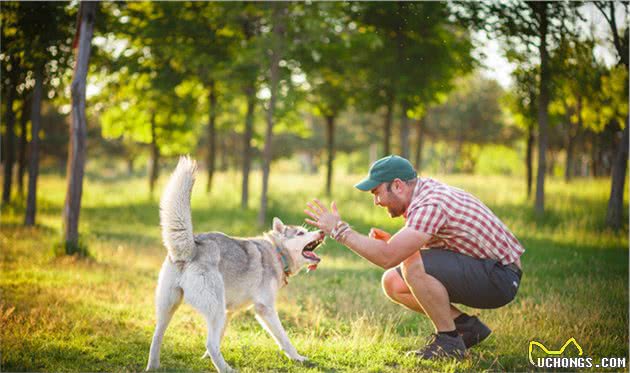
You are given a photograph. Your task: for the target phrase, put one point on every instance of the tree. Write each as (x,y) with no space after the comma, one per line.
(532,29)
(523,103)
(148,98)
(614,214)
(577,92)
(35,39)
(24,118)
(247,68)
(78,129)
(206,35)
(469,117)
(11,88)
(277,44)
(418,51)
(326,55)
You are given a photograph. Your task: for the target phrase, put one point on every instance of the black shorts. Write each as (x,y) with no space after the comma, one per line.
(478,283)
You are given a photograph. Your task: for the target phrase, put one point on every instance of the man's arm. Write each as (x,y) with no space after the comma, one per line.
(386,254)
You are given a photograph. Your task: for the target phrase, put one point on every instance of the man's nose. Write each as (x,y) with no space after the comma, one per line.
(377,201)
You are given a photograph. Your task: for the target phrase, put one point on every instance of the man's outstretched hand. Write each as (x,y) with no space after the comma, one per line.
(322,218)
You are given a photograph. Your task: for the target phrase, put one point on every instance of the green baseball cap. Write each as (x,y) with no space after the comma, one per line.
(385,170)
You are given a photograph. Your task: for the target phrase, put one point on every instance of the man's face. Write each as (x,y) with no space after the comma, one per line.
(385,195)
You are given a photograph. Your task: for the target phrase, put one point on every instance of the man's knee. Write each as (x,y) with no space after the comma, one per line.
(392,283)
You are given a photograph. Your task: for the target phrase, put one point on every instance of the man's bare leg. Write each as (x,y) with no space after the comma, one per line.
(397,290)
(429,292)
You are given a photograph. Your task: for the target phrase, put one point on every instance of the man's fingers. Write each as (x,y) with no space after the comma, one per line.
(320,205)
(315,209)
(307,212)
(333,207)
(311,222)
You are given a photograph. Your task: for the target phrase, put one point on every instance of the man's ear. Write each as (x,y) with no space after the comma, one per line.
(277,225)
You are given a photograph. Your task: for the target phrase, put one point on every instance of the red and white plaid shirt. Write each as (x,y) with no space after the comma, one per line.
(458,221)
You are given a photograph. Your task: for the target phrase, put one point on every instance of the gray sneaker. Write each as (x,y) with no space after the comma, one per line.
(473,331)
(441,346)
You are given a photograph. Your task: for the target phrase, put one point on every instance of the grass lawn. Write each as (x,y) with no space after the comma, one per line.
(69,314)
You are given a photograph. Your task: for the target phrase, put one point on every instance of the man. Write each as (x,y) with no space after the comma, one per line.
(452,249)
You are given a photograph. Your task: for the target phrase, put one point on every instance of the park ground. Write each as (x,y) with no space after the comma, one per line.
(96,314)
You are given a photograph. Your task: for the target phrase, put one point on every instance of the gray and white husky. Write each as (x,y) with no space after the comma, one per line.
(218,274)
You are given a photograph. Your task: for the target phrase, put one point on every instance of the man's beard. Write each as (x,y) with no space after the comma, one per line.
(396,211)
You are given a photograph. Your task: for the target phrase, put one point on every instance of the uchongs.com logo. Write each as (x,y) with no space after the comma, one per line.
(555,358)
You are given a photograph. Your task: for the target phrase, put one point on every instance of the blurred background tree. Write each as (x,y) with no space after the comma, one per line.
(324,85)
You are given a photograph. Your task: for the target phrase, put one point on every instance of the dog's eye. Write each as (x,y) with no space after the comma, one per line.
(300,233)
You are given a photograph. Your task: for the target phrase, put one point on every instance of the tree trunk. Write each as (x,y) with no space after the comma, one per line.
(129,164)
(614,214)
(274,75)
(595,140)
(250,92)
(212,132)
(570,145)
(571,137)
(529,159)
(551,162)
(404,132)
(387,135)
(330,141)
(10,144)
(78,130)
(419,142)
(223,151)
(26,106)
(33,167)
(543,106)
(155,157)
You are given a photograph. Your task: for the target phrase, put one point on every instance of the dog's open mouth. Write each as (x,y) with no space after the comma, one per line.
(308,252)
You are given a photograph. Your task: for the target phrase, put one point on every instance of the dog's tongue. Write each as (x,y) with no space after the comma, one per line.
(311,255)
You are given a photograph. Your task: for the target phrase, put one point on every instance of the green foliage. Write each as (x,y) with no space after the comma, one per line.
(471,113)
(67,314)
(418,50)
(148,92)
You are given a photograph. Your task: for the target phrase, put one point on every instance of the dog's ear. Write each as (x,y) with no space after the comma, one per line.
(277,225)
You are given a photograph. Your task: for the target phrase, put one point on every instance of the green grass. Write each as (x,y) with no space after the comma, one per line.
(70,314)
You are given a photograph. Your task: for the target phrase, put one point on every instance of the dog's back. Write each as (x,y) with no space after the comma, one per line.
(245,265)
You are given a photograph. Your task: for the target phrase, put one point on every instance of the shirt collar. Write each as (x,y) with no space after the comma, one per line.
(416,190)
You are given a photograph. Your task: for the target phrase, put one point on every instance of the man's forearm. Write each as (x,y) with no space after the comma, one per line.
(376,251)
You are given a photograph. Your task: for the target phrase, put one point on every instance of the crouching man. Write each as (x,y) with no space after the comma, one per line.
(452,249)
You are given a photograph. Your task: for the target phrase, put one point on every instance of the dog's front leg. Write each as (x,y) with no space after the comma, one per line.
(267,316)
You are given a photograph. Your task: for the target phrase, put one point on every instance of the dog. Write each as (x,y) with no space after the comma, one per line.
(218,274)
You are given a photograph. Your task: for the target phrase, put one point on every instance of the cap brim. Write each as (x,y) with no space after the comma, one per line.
(367,184)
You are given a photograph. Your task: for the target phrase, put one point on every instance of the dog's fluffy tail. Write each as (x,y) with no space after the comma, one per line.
(175,217)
